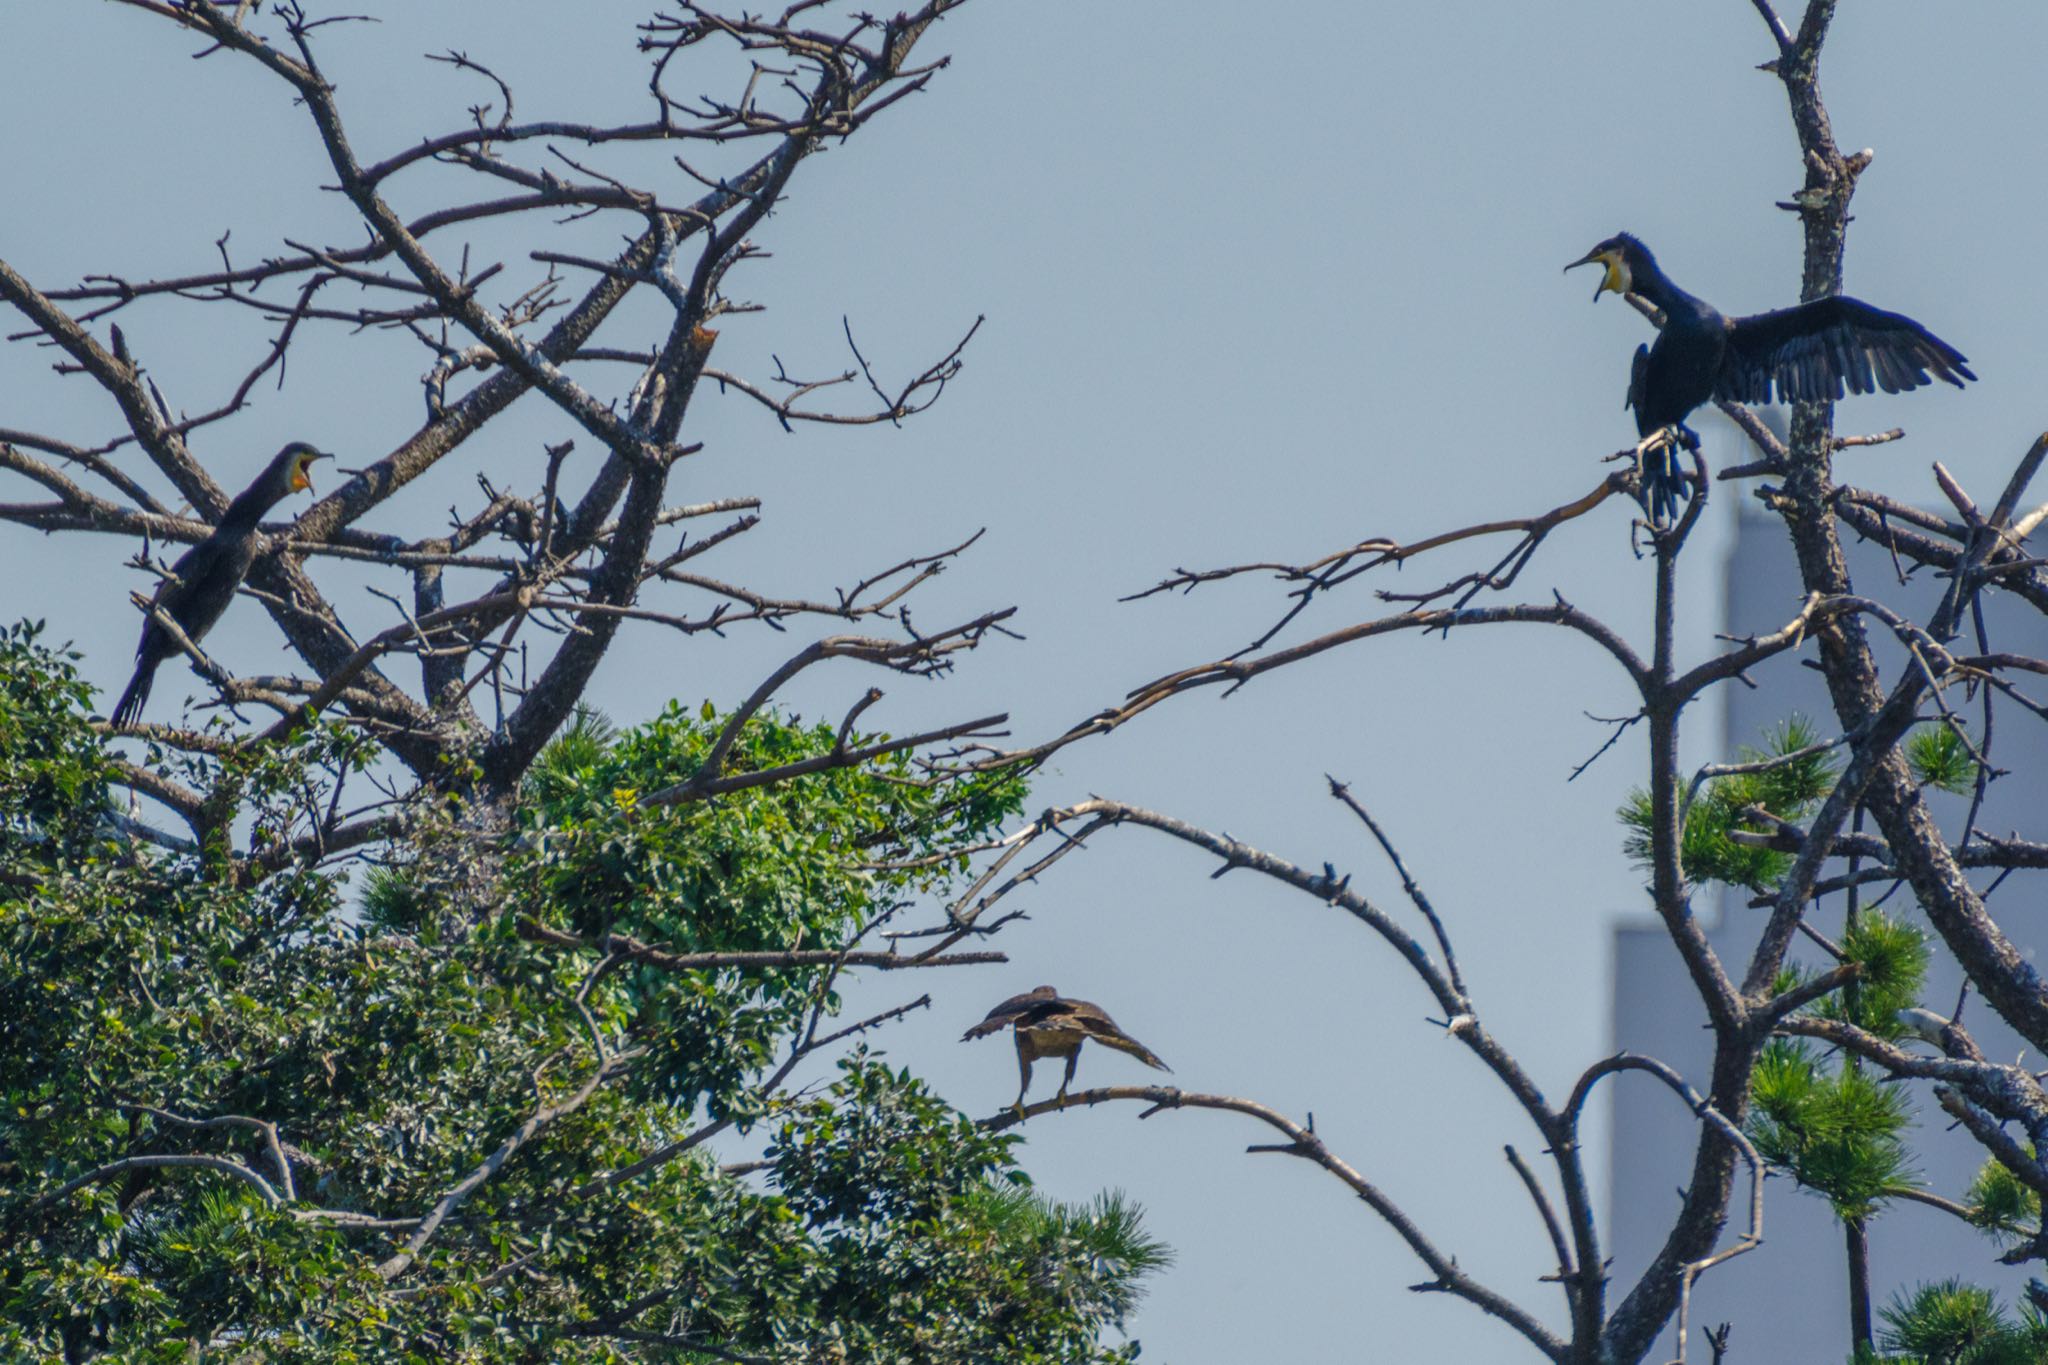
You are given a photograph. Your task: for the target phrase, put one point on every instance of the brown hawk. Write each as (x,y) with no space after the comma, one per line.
(1048,1026)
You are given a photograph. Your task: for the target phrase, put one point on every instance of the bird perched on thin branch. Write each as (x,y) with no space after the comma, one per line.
(1048,1026)
(1812,353)
(204,579)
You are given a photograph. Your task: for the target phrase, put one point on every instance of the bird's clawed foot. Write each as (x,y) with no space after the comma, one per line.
(1664,486)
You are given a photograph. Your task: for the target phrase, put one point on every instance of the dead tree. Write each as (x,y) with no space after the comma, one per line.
(1949,662)
(501,618)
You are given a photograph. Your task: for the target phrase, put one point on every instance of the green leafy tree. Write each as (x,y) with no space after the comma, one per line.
(261,1119)
(535,1053)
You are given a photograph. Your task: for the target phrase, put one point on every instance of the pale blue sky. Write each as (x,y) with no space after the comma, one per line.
(1260,281)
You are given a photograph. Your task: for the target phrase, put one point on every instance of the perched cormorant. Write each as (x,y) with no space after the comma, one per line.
(1812,353)
(205,577)
(1048,1026)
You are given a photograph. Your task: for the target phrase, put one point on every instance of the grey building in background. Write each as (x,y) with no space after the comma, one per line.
(1789,1298)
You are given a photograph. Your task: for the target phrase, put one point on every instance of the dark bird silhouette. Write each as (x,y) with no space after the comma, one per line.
(1813,353)
(1048,1026)
(204,579)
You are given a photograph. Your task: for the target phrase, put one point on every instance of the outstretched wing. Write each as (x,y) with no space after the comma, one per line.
(1097,1024)
(1012,1011)
(1820,350)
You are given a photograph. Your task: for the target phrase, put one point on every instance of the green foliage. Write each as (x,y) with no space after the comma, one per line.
(1031,1280)
(1939,758)
(753,866)
(1838,1133)
(399,1040)
(1790,790)
(52,774)
(880,1147)
(2001,1203)
(1894,957)
(1952,1323)
(579,747)
(778,866)
(1837,1129)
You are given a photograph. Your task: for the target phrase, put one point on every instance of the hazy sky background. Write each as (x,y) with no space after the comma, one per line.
(1260,281)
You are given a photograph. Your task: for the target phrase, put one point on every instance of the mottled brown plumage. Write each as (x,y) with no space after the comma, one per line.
(1049,1026)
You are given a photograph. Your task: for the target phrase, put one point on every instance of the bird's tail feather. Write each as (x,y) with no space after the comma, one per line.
(128,710)
(1123,1042)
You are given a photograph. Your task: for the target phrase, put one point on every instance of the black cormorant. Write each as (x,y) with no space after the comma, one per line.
(1812,353)
(1049,1026)
(205,577)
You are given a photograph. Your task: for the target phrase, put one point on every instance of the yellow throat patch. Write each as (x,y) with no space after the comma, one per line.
(1617,279)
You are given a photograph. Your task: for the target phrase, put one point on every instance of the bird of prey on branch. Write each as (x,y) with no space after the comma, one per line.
(1048,1026)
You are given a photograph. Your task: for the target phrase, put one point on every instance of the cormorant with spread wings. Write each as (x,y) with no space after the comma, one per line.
(1813,353)
(1049,1026)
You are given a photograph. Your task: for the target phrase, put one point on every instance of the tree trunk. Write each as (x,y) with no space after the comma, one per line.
(1859,1284)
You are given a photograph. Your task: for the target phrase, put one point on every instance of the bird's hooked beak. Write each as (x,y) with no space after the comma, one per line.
(1616,275)
(302,481)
